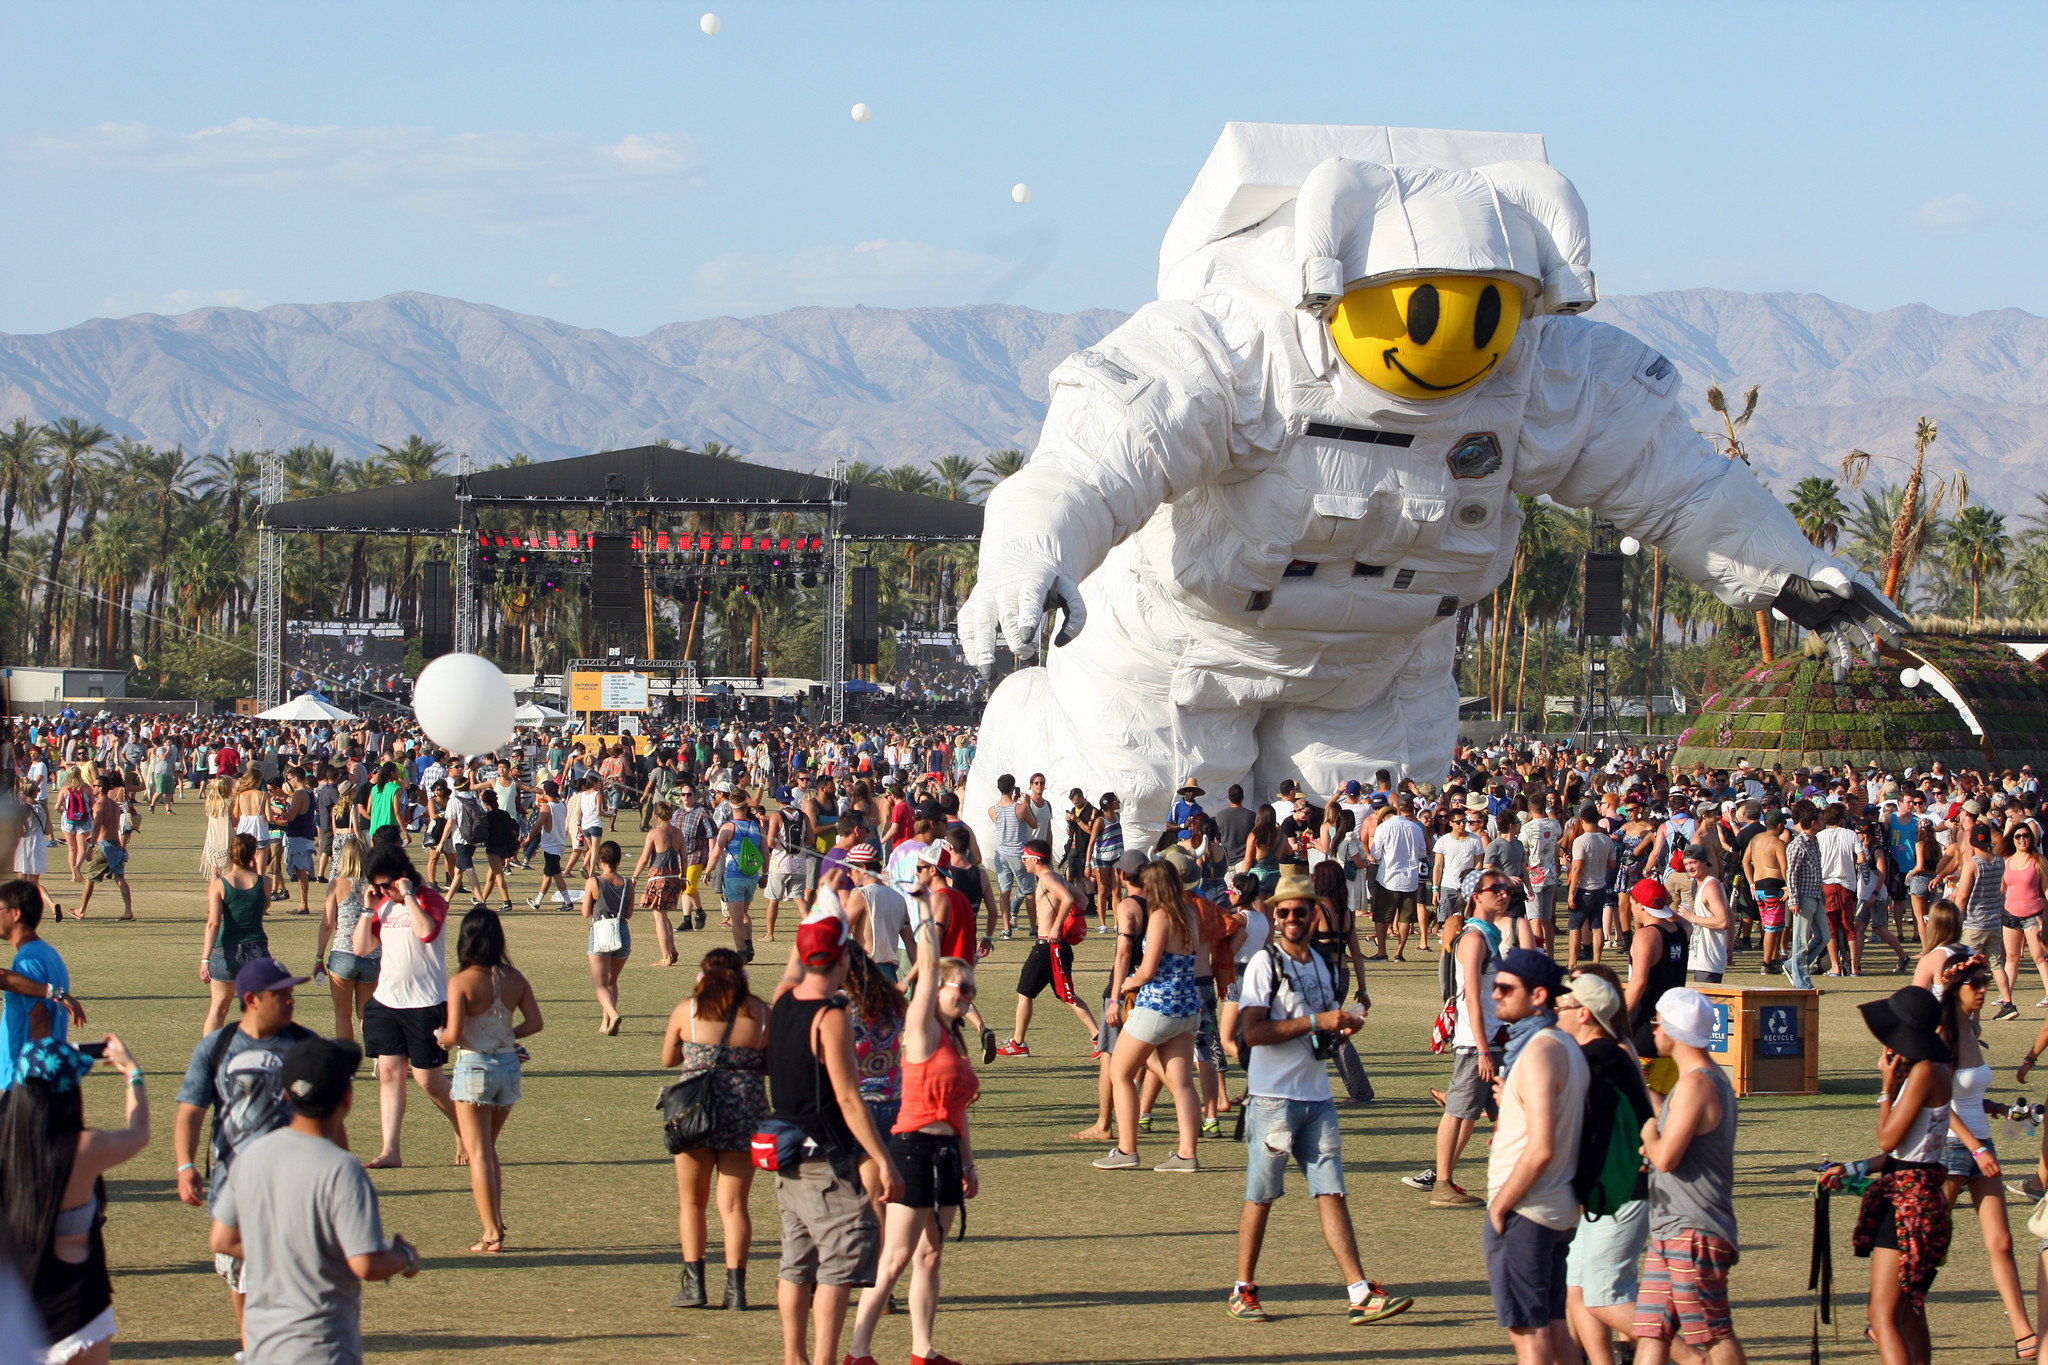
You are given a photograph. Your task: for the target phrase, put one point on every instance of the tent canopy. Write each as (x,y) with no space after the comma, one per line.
(645,476)
(306,707)
(533,713)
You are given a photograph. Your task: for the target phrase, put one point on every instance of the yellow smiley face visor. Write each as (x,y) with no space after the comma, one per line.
(1427,336)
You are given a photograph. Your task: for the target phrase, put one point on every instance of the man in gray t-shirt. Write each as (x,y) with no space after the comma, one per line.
(299,1210)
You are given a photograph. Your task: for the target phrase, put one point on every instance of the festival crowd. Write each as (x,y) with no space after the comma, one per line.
(1573,902)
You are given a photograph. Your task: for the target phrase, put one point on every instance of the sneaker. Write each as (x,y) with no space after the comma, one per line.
(1179,1165)
(988,1046)
(1012,1048)
(1212,1127)
(2006,1010)
(1006,934)
(1424,1179)
(1244,1305)
(1448,1194)
(852,1359)
(1117,1161)
(1144,1123)
(535,902)
(1379,1305)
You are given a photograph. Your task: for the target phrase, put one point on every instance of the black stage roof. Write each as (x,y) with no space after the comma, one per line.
(649,477)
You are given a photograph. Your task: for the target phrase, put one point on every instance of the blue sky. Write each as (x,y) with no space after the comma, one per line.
(609,165)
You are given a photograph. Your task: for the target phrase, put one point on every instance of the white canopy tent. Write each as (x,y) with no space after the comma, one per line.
(306,707)
(533,713)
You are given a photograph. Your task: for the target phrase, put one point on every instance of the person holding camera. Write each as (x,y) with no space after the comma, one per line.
(299,1211)
(1291,1022)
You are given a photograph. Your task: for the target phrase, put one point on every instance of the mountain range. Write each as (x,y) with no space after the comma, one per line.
(810,385)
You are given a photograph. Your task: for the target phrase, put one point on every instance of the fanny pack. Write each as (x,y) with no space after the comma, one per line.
(778,1145)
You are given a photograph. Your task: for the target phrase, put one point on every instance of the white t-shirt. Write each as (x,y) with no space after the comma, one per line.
(1257,929)
(413,974)
(1288,1070)
(887,913)
(1539,838)
(1461,853)
(1839,848)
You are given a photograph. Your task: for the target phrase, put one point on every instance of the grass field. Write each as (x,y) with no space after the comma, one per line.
(1061,1262)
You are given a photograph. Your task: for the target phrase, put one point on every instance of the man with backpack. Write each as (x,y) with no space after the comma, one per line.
(1288,1015)
(1059,920)
(467,823)
(1600,1269)
(236,1074)
(1532,1206)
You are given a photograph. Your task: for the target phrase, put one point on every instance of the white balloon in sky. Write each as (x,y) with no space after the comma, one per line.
(860,113)
(464,703)
(1629,545)
(1020,192)
(1909,677)
(709,23)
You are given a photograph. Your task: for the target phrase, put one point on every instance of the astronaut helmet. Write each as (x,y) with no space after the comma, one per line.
(1423,275)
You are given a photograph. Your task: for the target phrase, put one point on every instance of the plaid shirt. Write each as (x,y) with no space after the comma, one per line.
(1802,865)
(697,830)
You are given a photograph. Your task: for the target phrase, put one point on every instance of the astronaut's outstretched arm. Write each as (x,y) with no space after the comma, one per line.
(1643,467)
(1134,421)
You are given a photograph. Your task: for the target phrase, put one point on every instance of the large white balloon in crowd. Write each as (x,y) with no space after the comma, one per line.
(709,23)
(464,704)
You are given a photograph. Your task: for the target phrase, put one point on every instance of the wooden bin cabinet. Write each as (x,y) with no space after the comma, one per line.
(1768,1038)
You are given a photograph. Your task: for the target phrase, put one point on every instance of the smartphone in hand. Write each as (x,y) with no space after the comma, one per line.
(94,1050)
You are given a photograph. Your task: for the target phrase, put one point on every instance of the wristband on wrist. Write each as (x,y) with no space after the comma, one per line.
(1857,1169)
(185,1166)
(135,1076)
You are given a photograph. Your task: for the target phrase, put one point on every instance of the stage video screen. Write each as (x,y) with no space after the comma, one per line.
(344,656)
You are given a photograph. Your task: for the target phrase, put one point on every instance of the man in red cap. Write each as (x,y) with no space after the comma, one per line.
(831,1240)
(1656,958)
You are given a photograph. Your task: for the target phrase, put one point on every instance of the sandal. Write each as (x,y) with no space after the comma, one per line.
(490,1244)
(2026,1347)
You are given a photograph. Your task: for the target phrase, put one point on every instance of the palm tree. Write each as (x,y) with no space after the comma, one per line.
(414,461)
(996,467)
(719,450)
(162,482)
(955,476)
(234,479)
(1976,547)
(1731,442)
(1818,508)
(203,570)
(906,478)
(74,443)
(22,468)
(1910,529)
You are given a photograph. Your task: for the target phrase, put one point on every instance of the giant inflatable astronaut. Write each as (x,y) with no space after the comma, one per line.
(1261,501)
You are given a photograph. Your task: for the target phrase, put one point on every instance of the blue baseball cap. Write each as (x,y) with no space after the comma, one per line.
(265,974)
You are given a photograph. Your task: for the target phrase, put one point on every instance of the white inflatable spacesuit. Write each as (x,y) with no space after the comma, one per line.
(1267,495)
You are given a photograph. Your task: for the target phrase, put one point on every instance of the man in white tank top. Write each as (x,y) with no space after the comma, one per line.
(1532,1210)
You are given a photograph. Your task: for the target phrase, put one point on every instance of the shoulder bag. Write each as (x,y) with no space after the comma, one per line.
(689,1107)
(605,931)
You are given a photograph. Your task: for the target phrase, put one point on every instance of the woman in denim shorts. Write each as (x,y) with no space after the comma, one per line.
(1974,1163)
(351,979)
(1163,1018)
(481,1034)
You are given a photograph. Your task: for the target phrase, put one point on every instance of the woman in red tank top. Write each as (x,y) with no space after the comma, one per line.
(930,1146)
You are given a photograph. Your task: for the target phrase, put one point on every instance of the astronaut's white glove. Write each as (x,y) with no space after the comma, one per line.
(1850,614)
(1014,601)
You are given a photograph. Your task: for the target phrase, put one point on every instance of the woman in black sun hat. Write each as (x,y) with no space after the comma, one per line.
(1904,1224)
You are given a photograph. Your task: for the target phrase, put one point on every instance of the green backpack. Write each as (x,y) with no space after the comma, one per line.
(747,857)
(1610,1170)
